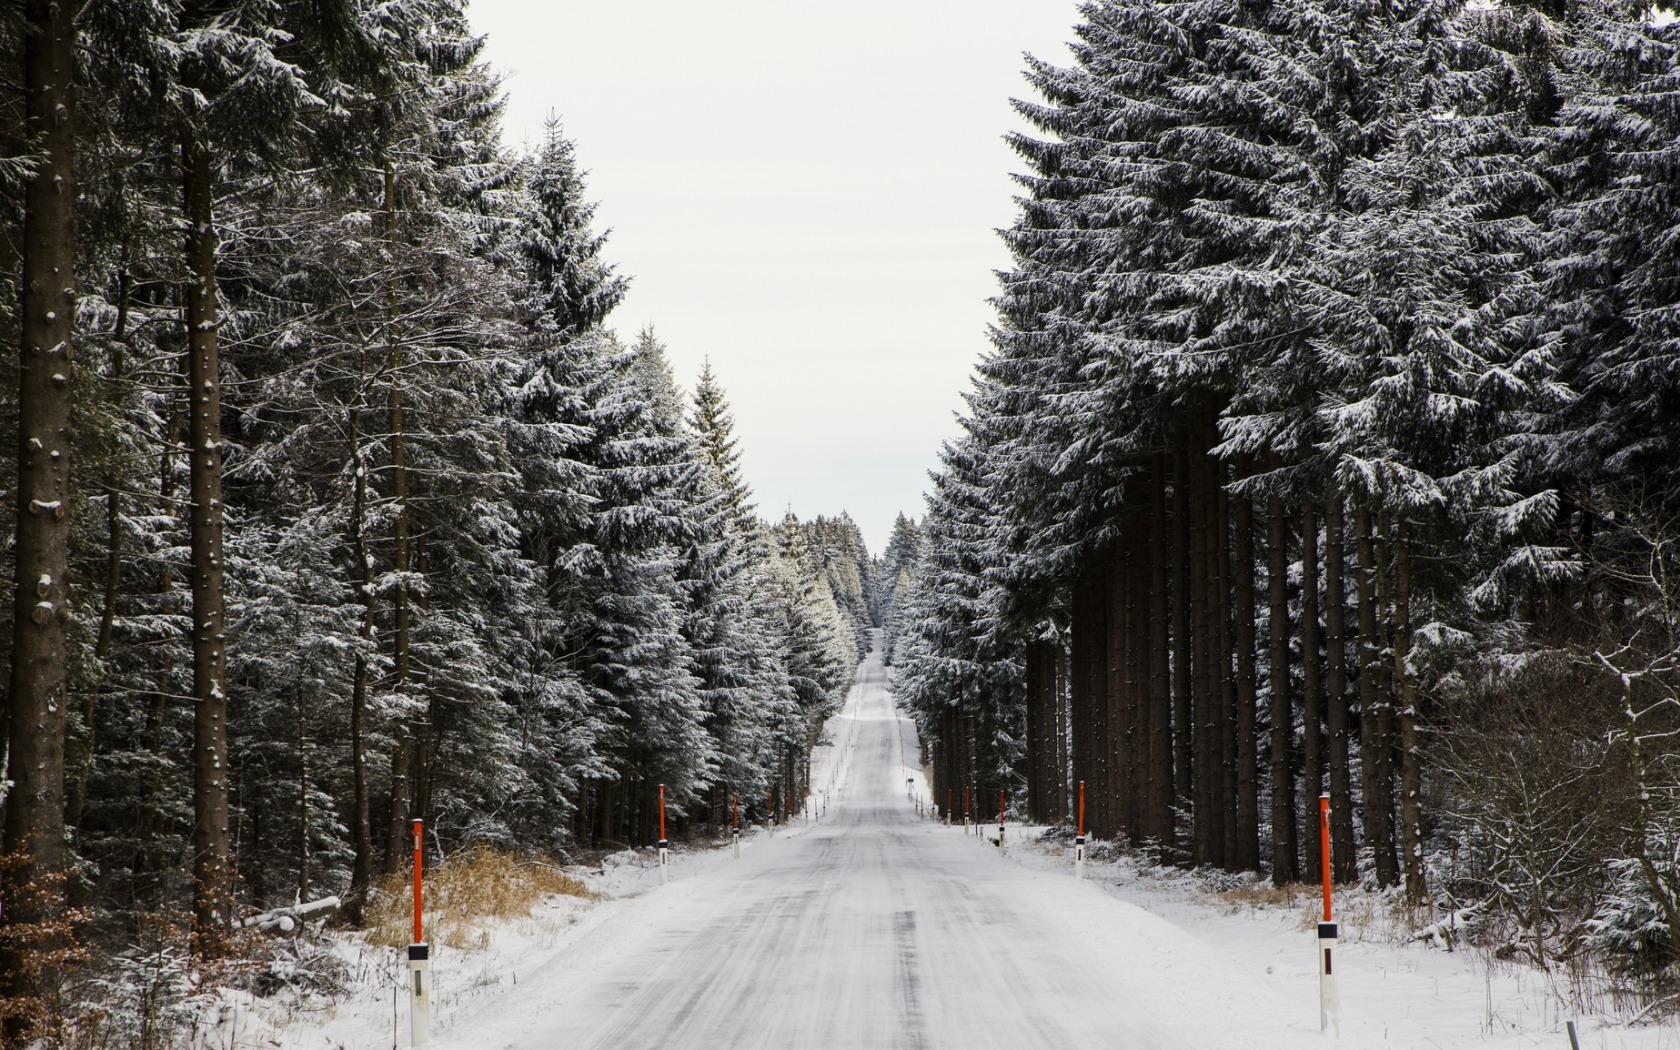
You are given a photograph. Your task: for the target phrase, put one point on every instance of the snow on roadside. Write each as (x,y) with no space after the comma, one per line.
(1394,992)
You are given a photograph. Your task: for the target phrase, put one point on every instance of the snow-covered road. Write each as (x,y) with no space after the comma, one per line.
(873,928)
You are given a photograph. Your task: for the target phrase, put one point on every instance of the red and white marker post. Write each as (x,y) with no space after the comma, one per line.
(947,807)
(1329,1003)
(967,811)
(735,805)
(1000,820)
(770,811)
(664,845)
(1079,837)
(419,963)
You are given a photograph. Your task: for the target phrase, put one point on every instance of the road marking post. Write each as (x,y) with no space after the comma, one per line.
(1329,1003)
(967,810)
(770,811)
(1079,837)
(1000,820)
(664,844)
(419,961)
(735,833)
(947,807)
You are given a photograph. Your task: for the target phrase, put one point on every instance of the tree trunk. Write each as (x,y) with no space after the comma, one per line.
(1160,678)
(1115,799)
(1343,861)
(1225,696)
(1203,679)
(1411,760)
(1035,736)
(1182,726)
(361,824)
(1085,640)
(403,745)
(1379,833)
(1312,697)
(1284,851)
(1247,856)
(33,731)
(212,871)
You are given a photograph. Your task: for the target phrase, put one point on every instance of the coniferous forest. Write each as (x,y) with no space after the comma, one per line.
(1327,445)
(337,504)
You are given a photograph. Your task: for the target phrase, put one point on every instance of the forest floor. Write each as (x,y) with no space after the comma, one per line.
(868,926)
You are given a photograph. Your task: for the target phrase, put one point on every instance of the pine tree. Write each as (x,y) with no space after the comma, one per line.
(37,703)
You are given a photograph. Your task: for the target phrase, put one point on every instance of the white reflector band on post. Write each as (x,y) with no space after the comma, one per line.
(1329,1003)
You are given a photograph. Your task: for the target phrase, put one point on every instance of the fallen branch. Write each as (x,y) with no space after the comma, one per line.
(1442,934)
(288,919)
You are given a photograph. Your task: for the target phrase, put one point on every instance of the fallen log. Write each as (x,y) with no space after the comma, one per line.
(289,918)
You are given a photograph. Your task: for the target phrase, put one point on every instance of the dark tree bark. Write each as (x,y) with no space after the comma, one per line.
(1312,697)
(1203,678)
(1247,857)
(1161,787)
(1411,761)
(1226,646)
(361,823)
(403,759)
(1183,728)
(1343,861)
(1284,852)
(212,841)
(36,704)
(1035,735)
(1379,794)
(1116,771)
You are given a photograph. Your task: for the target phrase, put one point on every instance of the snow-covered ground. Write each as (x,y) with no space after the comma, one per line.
(868,926)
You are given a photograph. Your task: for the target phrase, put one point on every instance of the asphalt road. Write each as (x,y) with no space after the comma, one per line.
(874,928)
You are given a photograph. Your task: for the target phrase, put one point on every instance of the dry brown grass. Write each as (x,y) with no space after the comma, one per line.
(464,894)
(1265,895)
(1359,913)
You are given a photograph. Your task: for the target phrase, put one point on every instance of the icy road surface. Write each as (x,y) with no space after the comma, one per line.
(873,929)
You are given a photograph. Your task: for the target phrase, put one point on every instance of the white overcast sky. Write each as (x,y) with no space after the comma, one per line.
(805,193)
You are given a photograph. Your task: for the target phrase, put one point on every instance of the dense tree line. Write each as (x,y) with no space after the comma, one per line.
(1327,446)
(337,504)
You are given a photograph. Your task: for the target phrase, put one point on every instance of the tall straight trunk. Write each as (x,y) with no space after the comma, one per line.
(1137,676)
(1387,855)
(1343,861)
(1225,644)
(361,822)
(32,732)
(1116,797)
(1379,831)
(303,850)
(403,746)
(1160,822)
(1035,735)
(81,744)
(1082,642)
(212,870)
(1247,854)
(1182,724)
(1284,852)
(1064,716)
(1312,695)
(1102,748)
(1411,761)
(1203,679)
